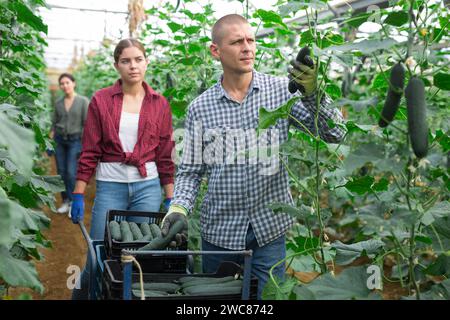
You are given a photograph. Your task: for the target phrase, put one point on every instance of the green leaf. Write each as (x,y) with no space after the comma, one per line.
(440,209)
(279,290)
(178,108)
(350,284)
(304,244)
(18,273)
(347,253)
(331,39)
(358,20)
(294,6)
(333,91)
(6,220)
(304,263)
(269,17)
(439,291)
(439,267)
(397,18)
(19,143)
(438,33)
(354,127)
(280,207)
(380,81)
(442,81)
(191,30)
(306,37)
(443,139)
(51,184)
(423,239)
(174,26)
(3,93)
(269,117)
(25,15)
(366,46)
(365,153)
(360,185)
(381,185)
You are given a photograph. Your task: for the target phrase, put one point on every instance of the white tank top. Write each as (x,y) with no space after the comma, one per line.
(120,172)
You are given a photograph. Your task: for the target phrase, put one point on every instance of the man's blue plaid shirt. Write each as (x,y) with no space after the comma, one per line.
(240,190)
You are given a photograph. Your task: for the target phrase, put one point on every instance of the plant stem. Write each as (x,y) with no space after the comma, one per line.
(323,266)
(395,50)
(303,126)
(410,34)
(292,175)
(283,260)
(390,124)
(438,237)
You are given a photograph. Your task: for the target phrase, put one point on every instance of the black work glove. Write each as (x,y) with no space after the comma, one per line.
(303,75)
(175,213)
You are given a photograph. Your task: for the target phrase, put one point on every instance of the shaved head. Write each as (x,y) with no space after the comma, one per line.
(218,30)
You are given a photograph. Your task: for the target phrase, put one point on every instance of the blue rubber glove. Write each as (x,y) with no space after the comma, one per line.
(166,203)
(77,210)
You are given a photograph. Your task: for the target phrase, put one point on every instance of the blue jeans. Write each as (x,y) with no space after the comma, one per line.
(136,196)
(262,260)
(67,153)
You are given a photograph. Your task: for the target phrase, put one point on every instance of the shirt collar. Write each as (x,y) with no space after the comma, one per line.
(117,88)
(255,84)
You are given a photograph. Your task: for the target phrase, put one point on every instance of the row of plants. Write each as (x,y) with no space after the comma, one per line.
(372,196)
(24,122)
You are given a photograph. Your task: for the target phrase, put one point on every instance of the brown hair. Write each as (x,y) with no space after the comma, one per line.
(66,75)
(127,43)
(217,30)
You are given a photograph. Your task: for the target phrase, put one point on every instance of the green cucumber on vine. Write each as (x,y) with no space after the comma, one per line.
(394,95)
(417,121)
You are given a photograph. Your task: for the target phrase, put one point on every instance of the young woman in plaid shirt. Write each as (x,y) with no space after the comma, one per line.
(127,140)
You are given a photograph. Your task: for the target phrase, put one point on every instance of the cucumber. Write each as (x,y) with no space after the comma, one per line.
(204,280)
(149,293)
(394,95)
(145,229)
(137,234)
(155,230)
(114,228)
(127,236)
(146,238)
(157,286)
(161,242)
(229,283)
(212,290)
(303,57)
(417,119)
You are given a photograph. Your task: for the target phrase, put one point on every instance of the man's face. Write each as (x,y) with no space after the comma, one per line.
(236,49)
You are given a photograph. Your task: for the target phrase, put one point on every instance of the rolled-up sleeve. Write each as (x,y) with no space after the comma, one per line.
(192,168)
(304,111)
(164,161)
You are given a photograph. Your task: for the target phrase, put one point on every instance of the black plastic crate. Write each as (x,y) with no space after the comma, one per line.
(113,282)
(149,263)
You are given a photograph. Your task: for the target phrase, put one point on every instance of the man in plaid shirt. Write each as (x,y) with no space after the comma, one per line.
(234,213)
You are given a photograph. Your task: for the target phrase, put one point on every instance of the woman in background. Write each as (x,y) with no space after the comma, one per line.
(67,128)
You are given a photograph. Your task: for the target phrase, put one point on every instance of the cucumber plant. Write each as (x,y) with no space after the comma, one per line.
(24,121)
